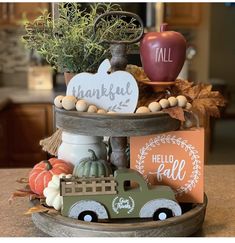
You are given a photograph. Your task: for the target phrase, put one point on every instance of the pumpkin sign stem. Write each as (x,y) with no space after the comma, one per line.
(93,155)
(48,165)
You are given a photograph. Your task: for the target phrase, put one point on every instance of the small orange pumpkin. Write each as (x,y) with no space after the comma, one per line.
(42,173)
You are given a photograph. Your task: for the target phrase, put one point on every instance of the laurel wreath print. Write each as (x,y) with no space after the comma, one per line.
(116,210)
(169,139)
(119,105)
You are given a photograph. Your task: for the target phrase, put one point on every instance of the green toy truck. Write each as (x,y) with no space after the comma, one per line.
(92,199)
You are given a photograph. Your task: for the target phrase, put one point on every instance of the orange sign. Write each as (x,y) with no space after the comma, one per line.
(175,159)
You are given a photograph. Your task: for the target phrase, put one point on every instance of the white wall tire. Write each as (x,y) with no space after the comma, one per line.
(158,206)
(87,206)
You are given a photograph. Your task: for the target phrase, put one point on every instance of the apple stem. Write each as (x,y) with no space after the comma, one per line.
(163,27)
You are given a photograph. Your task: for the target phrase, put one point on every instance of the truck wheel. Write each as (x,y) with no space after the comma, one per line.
(162,214)
(88,216)
(160,209)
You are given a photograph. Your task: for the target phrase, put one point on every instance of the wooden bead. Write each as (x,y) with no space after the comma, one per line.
(164,103)
(182,101)
(69,102)
(143,109)
(58,101)
(154,106)
(188,106)
(81,105)
(101,111)
(92,109)
(173,101)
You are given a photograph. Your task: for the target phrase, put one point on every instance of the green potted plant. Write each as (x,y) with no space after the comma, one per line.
(69,43)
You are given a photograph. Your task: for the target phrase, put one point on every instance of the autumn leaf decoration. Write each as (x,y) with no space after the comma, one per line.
(175,112)
(39,204)
(201,96)
(23,192)
(204,101)
(40,208)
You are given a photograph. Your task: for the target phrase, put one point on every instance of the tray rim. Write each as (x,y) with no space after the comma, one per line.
(115,124)
(113,115)
(140,225)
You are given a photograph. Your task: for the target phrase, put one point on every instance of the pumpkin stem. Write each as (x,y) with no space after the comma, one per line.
(93,155)
(48,164)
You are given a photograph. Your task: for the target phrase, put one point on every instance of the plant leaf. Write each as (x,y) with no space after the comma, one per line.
(208,102)
(181,86)
(37,209)
(175,112)
(23,193)
(201,96)
(18,194)
(22,180)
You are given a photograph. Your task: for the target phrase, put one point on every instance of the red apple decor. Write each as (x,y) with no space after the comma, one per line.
(163,54)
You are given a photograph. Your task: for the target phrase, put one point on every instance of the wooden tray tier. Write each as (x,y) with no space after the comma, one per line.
(118,125)
(185,225)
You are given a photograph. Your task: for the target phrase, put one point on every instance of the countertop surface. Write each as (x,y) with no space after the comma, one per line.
(219,187)
(23,95)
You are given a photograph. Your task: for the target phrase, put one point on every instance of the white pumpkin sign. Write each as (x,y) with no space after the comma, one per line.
(117,91)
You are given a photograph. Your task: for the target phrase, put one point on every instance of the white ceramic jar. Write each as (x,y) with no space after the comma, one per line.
(74,147)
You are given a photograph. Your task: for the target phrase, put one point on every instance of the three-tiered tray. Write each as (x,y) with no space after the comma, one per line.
(120,125)
(108,98)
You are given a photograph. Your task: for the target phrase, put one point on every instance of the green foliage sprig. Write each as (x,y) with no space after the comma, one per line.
(69,43)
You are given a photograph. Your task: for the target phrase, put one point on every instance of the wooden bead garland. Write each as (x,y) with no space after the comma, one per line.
(58,101)
(101,111)
(71,103)
(81,105)
(92,109)
(143,109)
(173,101)
(155,106)
(164,103)
(182,101)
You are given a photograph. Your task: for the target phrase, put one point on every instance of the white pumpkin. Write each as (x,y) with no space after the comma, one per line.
(52,191)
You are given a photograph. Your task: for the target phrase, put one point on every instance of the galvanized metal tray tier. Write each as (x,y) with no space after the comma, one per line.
(118,125)
(185,225)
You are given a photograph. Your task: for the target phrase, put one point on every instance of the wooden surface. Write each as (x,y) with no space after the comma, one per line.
(185,225)
(3,14)
(3,137)
(11,14)
(24,125)
(117,125)
(18,95)
(37,123)
(219,221)
(182,14)
(4,102)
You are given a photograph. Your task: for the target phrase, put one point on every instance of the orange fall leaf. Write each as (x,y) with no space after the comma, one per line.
(175,112)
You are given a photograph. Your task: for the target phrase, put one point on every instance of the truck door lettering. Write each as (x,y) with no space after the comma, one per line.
(120,203)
